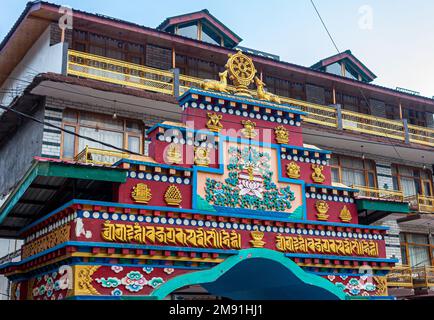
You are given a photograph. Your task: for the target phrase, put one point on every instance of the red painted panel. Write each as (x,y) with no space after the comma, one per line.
(335,209)
(158,190)
(232,126)
(306,172)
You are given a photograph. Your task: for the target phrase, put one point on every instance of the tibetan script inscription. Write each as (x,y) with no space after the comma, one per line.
(327,246)
(198,238)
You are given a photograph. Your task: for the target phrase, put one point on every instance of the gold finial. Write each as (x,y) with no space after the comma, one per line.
(282,135)
(345,215)
(173,196)
(322,207)
(213,123)
(141,193)
(249,130)
(242,71)
(317,175)
(201,156)
(263,95)
(220,86)
(293,170)
(257,241)
(174,154)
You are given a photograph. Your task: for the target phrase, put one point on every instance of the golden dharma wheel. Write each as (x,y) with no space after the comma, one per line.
(242,72)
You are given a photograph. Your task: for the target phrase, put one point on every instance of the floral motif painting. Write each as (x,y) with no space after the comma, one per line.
(249,184)
(358,286)
(51,286)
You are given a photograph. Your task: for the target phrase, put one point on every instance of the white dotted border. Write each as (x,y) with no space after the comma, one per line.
(158,178)
(227,225)
(245,114)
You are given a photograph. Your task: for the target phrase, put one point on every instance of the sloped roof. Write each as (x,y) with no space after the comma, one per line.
(203,14)
(355,63)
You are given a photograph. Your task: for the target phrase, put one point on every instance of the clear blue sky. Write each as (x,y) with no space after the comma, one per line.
(399,48)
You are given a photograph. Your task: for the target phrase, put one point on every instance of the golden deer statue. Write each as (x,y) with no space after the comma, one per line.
(263,95)
(220,86)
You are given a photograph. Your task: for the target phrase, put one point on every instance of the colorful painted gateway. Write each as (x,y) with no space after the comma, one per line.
(230,200)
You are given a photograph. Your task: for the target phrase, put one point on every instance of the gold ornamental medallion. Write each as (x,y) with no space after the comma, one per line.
(242,72)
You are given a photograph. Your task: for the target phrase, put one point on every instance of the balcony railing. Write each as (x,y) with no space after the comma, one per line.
(100,157)
(423,277)
(400,277)
(118,72)
(407,277)
(137,76)
(386,195)
(422,204)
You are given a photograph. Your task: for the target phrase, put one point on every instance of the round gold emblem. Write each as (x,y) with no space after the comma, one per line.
(242,72)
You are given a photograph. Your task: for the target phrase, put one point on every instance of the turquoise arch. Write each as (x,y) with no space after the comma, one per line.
(213,274)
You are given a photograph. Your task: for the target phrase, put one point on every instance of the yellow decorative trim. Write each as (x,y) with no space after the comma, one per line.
(263,95)
(326,246)
(157,80)
(83,280)
(173,196)
(150,235)
(282,135)
(174,154)
(293,170)
(382,289)
(242,71)
(214,123)
(46,242)
(317,175)
(146,257)
(249,130)
(220,86)
(322,207)
(345,215)
(201,156)
(257,237)
(141,193)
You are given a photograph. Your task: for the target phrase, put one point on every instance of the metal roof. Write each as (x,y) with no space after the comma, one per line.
(44,190)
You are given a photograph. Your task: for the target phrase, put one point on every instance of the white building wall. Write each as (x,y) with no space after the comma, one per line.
(41,58)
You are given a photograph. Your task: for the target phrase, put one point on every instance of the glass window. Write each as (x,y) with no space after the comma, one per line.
(133,126)
(68,143)
(416,250)
(417,238)
(404,255)
(134,144)
(335,68)
(335,175)
(210,36)
(412,181)
(351,73)
(353,171)
(104,121)
(121,133)
(189,30)
(110,137)
(70,116)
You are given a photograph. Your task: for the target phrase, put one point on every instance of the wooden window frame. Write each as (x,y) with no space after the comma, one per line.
(126,133)
(365,170)
(406,245)
(398,177)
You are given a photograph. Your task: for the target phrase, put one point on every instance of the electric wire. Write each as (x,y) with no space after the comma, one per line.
(360,90)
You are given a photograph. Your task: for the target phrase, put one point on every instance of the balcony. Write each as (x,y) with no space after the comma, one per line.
(378,194)
(421,204)
(141,77)
(407,277)
(423,277)
(100,157)
(400,277)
